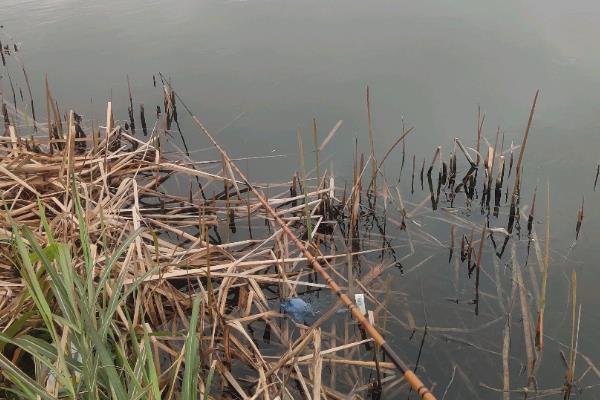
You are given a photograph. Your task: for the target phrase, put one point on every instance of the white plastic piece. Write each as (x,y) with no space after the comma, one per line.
(359,298)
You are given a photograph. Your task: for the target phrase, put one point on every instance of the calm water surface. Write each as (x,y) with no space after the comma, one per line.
(258,70)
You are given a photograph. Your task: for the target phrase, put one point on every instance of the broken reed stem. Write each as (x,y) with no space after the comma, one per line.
(317,364)
(422,172)
(373,185)
(412,181)
(570,375)
(209,283)
(307,219)
(130,109)
(30,96)
(48,102)
(350,277)
(464,151)
(436,156)
(316,147)
(579,219)
(532,211)
(480,122)
(539,332)
(452,234)
(330,135)
(516,188)
(526,320)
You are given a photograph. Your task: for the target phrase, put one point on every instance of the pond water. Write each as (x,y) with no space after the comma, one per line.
(256,71)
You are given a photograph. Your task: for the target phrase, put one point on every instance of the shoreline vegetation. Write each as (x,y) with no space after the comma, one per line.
(95,243)
(116,283)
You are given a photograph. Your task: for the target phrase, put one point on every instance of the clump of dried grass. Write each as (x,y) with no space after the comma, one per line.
(173,302)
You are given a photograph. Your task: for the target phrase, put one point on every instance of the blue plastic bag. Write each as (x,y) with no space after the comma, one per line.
(297,308)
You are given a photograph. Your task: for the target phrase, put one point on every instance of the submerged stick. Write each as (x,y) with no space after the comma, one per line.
(409,375)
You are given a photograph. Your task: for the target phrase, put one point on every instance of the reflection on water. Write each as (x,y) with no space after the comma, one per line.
(257,70)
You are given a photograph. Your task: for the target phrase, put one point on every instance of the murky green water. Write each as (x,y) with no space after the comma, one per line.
(258,70)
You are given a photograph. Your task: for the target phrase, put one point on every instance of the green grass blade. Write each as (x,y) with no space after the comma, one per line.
(189,389)
(27,385)
(209,379)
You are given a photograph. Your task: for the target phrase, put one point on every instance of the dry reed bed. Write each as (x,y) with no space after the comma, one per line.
(122,183)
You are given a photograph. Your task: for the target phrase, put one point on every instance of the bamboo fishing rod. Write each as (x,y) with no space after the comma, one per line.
(409,375)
